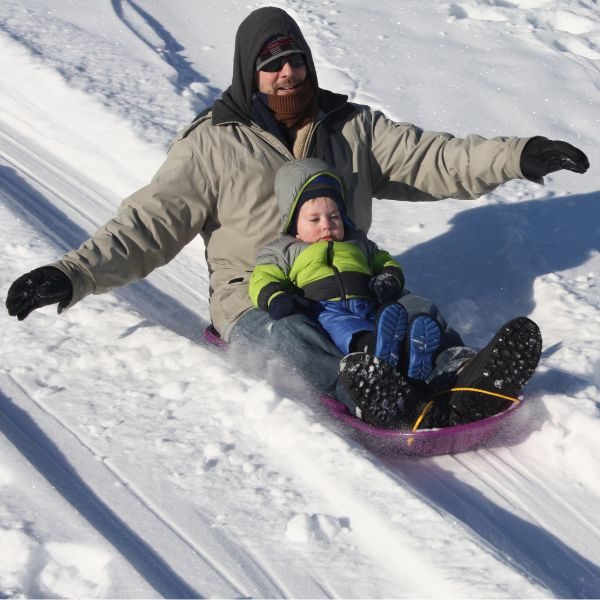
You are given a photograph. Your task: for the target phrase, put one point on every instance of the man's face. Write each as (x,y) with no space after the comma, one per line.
(280,83)
(319,219)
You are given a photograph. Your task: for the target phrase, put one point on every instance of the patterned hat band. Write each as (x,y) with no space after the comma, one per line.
(273,49)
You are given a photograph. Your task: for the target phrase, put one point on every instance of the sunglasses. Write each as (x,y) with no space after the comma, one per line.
(295,60)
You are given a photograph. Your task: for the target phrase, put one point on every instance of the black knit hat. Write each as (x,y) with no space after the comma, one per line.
(275,47)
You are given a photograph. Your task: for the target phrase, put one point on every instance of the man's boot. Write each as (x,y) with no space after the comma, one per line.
(501,369)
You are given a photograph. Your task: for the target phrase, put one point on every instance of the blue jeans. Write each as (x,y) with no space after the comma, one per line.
(298,341)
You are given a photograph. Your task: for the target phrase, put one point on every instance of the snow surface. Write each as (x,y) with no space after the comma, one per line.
(136,461)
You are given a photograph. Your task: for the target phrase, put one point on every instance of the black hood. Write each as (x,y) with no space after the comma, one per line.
(254,31)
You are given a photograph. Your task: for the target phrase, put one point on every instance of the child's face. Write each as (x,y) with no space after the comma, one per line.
(319,219)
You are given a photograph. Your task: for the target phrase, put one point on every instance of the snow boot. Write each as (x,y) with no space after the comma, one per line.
(383,397)
(424,339)
(430,414)
(502,368)
(390,329)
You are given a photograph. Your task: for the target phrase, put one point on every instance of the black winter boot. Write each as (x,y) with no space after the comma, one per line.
(430,414)
(384,398)
(503,367)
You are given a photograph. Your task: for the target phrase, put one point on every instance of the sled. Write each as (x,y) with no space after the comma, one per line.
(424,442)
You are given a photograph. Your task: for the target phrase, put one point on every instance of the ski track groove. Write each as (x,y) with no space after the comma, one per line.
(427,469)
(489,531)
(506,466)
(128,485)
(80,491)
(78,187)
(493,528)
(280,588)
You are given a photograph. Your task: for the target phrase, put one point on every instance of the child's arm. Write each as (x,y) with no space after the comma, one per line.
(273,292)
(268,281)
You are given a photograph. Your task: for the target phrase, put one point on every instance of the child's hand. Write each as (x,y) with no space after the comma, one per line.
(284,305)
(386,287)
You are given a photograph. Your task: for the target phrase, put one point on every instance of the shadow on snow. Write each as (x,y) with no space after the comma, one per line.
(22,431)
(526,547)
(486,264)
(170,52)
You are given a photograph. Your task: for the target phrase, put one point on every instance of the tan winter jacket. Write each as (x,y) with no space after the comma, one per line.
(217,181)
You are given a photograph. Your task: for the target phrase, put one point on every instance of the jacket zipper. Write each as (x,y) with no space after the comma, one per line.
(336,272)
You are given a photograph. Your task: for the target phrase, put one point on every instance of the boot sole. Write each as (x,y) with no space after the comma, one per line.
(390,331)
(380,393)
(503,367)
(424,339)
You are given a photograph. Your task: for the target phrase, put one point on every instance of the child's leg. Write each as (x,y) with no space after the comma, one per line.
(343,320)
(386,340)
(428,335)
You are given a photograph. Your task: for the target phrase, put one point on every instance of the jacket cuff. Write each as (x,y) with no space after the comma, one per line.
(267,294)
(518,153)
(82,283)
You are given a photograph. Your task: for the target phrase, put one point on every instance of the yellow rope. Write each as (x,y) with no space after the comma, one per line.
(429,404)
(422,415)
(487,392)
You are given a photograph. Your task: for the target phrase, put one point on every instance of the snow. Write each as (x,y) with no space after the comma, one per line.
(136,461)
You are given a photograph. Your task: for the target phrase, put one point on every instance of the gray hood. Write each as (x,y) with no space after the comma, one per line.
(293,177)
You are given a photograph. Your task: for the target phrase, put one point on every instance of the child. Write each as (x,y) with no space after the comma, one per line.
(332,271)
(323,266)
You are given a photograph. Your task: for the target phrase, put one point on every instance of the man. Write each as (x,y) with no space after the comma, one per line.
(221,170)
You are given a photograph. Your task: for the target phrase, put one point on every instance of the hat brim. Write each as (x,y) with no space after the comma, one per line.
(279,55)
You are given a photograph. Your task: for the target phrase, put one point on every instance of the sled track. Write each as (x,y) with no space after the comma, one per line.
(499,510)
(59,454)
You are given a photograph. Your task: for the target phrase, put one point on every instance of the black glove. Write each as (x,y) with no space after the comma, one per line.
(40,287)
(284,305)
(542,156)
(386,287)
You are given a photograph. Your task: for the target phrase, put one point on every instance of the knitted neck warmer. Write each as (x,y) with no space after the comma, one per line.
(293,110)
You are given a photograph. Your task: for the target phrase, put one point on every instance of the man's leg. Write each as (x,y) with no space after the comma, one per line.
(297,341)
